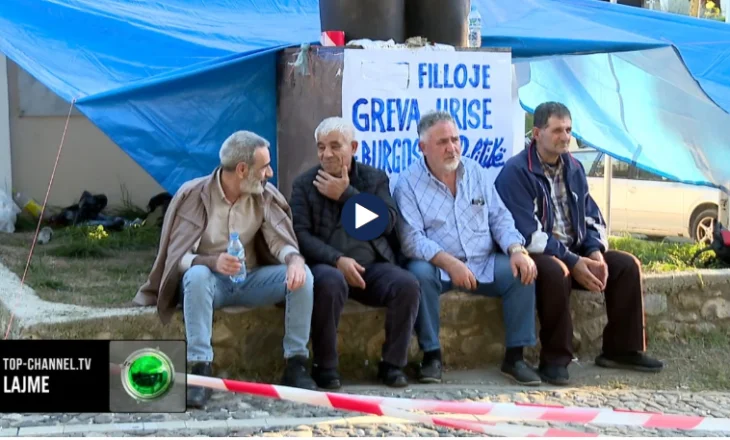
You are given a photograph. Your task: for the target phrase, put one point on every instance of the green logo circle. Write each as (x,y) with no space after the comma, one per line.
(148,374)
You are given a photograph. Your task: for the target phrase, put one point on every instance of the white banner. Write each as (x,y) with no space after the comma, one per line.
(385,92)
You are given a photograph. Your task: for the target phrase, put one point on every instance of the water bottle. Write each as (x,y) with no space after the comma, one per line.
(475,27)
(235,248)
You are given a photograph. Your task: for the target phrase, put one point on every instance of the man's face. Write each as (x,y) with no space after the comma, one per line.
(334,151)
(442,147)
(254,179)
(554,139)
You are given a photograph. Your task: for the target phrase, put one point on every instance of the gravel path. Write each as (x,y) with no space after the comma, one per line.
(241,415)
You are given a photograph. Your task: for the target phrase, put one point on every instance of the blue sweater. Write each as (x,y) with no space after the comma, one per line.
(525,190)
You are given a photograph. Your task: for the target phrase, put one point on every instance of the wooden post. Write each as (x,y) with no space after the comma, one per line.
(694,8)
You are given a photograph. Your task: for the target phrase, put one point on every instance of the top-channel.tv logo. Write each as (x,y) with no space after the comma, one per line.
(148,374)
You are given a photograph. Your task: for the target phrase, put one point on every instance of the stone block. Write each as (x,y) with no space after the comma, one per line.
(690,302)
(655,304)
(718,308)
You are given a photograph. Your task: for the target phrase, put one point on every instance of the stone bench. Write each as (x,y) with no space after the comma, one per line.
(248,343)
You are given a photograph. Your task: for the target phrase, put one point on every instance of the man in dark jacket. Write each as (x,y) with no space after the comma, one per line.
(342,266)
(546,190)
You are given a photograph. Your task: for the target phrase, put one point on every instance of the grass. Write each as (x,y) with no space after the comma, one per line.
(663,256)
(80,266)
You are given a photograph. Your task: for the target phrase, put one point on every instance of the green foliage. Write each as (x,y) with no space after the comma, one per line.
(92,242)
(661,256)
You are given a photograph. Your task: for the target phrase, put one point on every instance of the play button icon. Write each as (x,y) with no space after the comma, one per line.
(364,217)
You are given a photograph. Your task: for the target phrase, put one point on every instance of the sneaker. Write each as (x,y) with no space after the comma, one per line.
(295,374)
(392,376)
(197,396)
(430,371)
(521,373)
(554,374)
(637,361)
(326,378)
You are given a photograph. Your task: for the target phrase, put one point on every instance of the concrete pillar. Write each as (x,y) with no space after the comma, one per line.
(6,177)
(723,214)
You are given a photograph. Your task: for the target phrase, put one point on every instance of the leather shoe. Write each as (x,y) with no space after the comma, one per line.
(198,396)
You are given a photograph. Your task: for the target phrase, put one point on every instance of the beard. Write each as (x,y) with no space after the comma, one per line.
(452,164)
(252,186)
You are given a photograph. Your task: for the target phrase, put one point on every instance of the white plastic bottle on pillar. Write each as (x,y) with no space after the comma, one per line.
(475,27)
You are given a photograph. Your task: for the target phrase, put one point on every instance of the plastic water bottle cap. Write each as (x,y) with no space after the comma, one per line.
(234,235)
(473,7)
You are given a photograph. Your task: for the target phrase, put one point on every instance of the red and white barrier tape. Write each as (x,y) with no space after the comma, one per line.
(559,413)
(357,403)
(485,413)
(492,410)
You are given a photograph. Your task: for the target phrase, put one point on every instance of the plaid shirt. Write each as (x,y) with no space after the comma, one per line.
(471,226)
(562,227)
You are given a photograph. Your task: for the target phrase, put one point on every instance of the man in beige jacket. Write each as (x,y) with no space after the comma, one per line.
(194,268)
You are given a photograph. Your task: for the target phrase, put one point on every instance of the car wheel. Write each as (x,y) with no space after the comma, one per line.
(703,224)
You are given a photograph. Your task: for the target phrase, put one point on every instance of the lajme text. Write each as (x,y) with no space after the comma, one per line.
(25,384)
(20,382)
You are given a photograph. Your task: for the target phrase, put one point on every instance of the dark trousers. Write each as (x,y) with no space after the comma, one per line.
(387,285)
(624,307)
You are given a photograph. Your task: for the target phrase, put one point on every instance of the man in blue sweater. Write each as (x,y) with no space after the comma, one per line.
(546,191)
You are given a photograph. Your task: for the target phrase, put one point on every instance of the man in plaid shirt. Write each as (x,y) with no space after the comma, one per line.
(546,191)
(459,235)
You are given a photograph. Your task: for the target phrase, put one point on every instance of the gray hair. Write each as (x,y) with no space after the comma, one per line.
(335,124)
(430,119)
(240,147)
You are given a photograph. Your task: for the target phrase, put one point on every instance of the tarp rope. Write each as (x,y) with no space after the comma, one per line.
(40,221)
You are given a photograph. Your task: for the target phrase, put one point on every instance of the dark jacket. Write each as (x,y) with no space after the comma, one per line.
(316,217)
(525,190)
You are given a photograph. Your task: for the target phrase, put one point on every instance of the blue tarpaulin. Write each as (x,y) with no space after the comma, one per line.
(168,80)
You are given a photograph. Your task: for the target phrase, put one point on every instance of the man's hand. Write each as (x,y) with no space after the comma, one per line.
(602,272)
(296,275)
(583,272)
(227,264)
(524,267)
(352,270)
(330,186)
(461,276)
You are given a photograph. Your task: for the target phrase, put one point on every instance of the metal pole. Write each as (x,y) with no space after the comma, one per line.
(607,178)
(6,168)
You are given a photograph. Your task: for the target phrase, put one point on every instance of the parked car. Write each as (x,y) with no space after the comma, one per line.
(646,203)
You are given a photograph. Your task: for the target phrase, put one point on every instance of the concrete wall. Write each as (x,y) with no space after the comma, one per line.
(89,159)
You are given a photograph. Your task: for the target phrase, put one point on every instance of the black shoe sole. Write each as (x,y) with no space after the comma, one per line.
(532,383)
(330,386)
(429,380)
(607,363)
(554,381)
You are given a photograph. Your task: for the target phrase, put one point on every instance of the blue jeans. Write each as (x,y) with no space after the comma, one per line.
(518,303)
(204,291)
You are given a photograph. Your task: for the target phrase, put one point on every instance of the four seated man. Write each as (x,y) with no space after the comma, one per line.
(527,238)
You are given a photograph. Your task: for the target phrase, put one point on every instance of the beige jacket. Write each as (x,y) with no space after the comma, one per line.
(185,221)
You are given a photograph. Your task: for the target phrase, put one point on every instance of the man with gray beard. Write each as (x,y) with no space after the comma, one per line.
(193,266)
(459,235)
